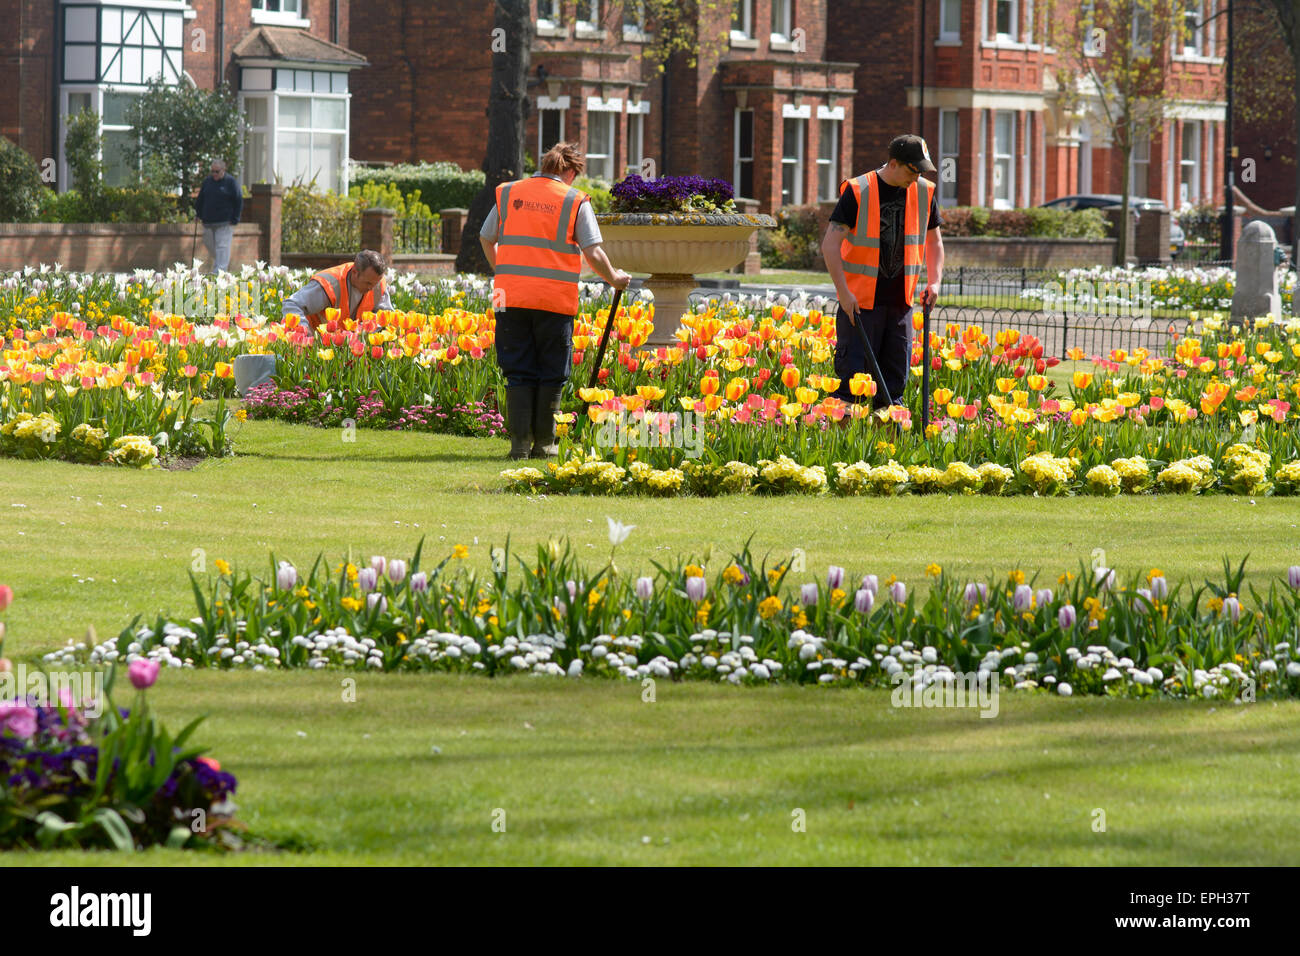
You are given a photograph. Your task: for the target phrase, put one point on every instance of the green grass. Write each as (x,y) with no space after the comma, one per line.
(712,775)
(300,491)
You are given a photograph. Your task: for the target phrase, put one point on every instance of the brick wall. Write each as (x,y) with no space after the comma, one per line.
(28,74)
(425,94)
(115,247)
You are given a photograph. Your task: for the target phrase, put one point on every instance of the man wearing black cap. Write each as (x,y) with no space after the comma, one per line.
(883,233)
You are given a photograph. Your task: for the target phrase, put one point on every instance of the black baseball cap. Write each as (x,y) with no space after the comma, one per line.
(911,150)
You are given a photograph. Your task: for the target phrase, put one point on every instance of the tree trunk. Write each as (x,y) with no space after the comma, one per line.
(507,111)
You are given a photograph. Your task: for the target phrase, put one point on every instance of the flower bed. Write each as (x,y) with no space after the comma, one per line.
(82,773)
(734,619)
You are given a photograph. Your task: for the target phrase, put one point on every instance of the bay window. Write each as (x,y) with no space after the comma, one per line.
(298,126)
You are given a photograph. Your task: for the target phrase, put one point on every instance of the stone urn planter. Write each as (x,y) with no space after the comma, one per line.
(672,247)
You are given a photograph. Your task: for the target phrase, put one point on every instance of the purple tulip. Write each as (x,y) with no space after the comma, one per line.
(396,570)
(1066,616)
(1105,578)
(808,595)
(419,581)
(1145,594)
(572,587)
(696,588)
(1232,607)
(834,577)
(870,583)
(1043,596)
(373,598)
(379,563)
(142,673)
(975,593)
(1023,598)
(863,600)
(1293,577)
(898,592)
(1159,587)
(286,575)
(367,578)
(645,588)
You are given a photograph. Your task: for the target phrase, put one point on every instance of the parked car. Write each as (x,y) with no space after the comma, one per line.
(1140,204)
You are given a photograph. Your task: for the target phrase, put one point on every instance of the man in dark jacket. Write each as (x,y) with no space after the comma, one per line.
(218,205)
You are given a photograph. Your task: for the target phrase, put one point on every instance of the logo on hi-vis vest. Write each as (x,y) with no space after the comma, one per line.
(545,207)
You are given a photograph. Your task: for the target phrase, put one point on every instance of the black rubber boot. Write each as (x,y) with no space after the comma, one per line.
(546,406)
(519,419)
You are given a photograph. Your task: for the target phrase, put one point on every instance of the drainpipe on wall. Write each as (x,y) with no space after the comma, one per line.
(221,42)
(334,20)
(663,121)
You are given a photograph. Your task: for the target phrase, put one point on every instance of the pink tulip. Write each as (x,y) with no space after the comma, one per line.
(142,673)
(6,596)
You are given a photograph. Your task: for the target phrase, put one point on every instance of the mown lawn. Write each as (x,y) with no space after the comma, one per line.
(419,767)
(585,770)
(93,546)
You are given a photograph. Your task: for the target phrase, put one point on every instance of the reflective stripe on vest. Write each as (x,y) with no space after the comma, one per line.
(335,282)
(538,261)
(860,250)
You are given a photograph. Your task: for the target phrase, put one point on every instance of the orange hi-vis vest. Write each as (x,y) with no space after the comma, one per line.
(335,283)
(861,249)
(538,259)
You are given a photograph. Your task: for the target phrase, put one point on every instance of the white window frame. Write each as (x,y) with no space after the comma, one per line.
(1008,158)
(547,105)
(1011,37)
(736,157)
(800,115)
(744,15)
(835,117)
(1088,10)
(950,30)
(274,96)
(597,106)
(1027,128)
(1140,162)
(1085,158)
(634,32)
(635,121)
(590,27)
(281,17)
(1197,134)
(782,21)
(948,150)
(1196,38)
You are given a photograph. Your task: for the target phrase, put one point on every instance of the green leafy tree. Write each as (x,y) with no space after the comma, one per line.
(1112,55)
(82,146)
(1288,18)
(181,129)
(21,188)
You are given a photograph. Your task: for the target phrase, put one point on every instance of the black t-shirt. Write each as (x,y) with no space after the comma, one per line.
(893,214)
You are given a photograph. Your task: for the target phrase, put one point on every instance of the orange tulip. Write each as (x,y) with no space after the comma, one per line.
(790,376)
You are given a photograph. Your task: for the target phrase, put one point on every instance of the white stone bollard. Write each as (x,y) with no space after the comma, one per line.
(252,370)
(1256,292)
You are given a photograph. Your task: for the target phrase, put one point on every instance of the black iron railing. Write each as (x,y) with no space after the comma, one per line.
(416,236)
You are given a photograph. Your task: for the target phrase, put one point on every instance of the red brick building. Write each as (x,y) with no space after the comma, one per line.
(990,108)
(287,60)
(762,108)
